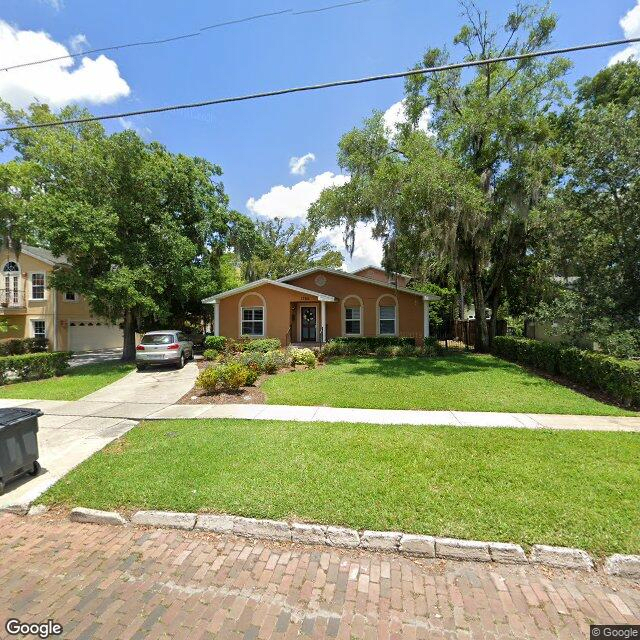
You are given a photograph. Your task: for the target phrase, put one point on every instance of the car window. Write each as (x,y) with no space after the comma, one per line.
(157,338)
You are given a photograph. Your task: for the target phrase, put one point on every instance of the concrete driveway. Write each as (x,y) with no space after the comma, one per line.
(92,357)
(154,386)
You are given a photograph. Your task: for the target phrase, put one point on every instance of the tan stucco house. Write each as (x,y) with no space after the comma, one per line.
(319,304)
(33,309)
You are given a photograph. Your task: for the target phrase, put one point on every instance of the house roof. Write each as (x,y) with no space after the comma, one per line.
(344,274)
(44,255)
(373,266)
(258,283)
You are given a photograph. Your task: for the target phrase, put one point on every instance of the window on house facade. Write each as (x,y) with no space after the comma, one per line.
(252,321)
(37,286)
(69,296)
(39,329)
(352,320)
(387,320)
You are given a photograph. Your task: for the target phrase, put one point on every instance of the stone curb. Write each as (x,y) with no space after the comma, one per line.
(94,516)
(627,566)
(169,519)
(562,557)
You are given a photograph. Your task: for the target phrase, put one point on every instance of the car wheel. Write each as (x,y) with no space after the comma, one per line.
(35,470)
(1,487)
(181,361)
(140,367)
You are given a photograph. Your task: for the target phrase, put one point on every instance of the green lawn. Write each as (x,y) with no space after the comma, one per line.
(463,382)
(76,384)
(571,488)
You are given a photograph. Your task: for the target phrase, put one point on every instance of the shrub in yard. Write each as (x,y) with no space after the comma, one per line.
(232,376)
(215,343)
(207,380)
(253,359)
(211,354)
(225,377)
(618,378)
(430,348)
(20,346)
(273,361)
(302,356)
(371,343)
(345,348)
(34,366)
(252,375)
(262,344)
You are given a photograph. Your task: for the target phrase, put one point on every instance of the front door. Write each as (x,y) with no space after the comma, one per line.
(308,324)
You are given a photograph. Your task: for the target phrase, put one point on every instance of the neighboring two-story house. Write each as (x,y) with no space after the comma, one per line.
(34,310)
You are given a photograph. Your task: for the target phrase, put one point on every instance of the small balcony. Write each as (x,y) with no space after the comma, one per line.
(12,301)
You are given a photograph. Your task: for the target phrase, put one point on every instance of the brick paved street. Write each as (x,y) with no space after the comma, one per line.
(121,583)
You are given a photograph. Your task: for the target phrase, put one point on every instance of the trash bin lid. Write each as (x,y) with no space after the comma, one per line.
(17,414)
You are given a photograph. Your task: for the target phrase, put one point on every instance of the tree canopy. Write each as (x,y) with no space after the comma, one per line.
(143,229)
(463,197)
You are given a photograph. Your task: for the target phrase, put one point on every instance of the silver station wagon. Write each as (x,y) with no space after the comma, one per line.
(168,347)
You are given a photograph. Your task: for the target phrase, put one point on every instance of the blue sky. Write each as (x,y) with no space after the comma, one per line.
(255,142)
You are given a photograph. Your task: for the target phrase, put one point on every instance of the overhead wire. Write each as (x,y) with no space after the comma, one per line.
(325,85)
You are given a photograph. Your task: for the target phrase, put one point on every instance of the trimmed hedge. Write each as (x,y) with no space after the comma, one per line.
(33,366)
(620,379)
(20,346)
(373,343)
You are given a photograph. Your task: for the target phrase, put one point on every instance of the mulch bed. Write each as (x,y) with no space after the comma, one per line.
(246,395)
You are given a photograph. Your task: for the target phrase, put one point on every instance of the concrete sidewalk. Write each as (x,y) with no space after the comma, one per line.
(154,410)
(64,442)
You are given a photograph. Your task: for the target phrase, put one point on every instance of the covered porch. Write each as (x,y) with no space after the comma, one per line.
(308,323)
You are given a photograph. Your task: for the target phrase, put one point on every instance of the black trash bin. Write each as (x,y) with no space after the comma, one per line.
(18,443)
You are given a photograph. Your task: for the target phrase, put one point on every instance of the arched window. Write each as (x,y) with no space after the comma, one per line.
(387,315)
(11,267)
(352,315)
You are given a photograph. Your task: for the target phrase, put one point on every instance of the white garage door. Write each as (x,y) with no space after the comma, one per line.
(91,336)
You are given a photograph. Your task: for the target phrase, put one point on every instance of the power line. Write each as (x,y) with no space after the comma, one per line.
(184,36)
(327,85)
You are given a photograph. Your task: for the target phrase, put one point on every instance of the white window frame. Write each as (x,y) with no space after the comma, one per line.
(73,293)
(394,319)
(358,320)
(33,328)
(253,320)
(44,285)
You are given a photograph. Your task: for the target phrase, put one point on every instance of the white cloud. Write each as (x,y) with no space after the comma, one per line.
(57,83)
(630,24)
(54,4)
(294,202)
(395,115)
(298,166)
(127,123)
(366,251)
(78,42)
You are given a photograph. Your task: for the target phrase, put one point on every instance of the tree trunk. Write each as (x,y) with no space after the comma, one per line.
(493,327)
(461,305)
(482,330)
(129,330)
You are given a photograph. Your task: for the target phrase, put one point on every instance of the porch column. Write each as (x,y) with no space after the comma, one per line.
(426,319)
(323,322)
(216,318)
